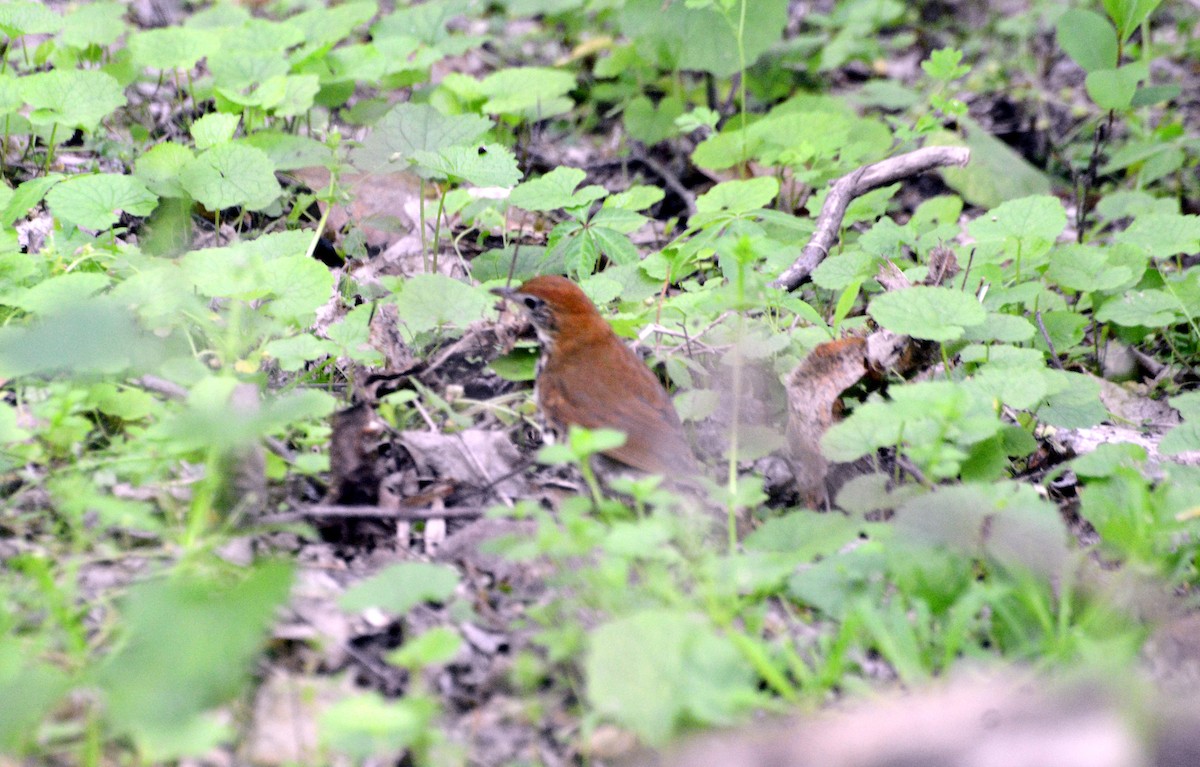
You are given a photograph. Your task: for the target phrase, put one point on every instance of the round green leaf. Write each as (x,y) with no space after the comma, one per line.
(74,98)
(96,201)
(1088,38)
(229,175)
(932,313)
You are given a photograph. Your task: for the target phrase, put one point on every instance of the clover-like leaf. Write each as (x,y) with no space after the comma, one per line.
(555,190)
(73,98)
(737,197)
(96,201)
(932,313)
(229,175)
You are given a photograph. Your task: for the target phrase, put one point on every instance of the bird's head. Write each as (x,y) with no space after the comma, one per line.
(554,305)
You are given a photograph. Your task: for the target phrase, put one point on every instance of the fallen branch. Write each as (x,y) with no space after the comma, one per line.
(845,189)
(336,511)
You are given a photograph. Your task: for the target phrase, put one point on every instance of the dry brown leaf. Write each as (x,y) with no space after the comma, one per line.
(813,389)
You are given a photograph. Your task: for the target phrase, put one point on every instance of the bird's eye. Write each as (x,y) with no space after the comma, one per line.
(531,303)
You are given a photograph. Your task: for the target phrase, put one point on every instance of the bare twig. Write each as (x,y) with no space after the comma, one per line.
(335,511)
(852,185)
(1049,344)
(669,179)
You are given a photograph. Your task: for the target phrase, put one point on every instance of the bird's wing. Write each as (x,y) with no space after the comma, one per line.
(634,402)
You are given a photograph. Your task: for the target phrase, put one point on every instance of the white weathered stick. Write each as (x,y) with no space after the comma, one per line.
(856,184)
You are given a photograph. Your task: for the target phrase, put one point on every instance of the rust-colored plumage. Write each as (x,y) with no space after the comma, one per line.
(588,377)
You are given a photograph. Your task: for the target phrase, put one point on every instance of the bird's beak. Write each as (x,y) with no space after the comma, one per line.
(503,292)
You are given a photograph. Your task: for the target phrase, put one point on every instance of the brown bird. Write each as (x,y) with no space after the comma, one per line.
(588,377)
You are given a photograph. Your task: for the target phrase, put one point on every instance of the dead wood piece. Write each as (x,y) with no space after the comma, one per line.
(335,511)
(845,189)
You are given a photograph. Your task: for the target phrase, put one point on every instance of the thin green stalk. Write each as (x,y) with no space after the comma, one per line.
(421,225)
(312,243)
(49,148)
(437,228)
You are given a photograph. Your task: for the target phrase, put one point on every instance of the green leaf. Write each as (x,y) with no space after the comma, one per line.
(1084,268)
(1001,328)
(325,25)
(72,98)
(840,271)
(240,270)
(651,124)
(79,338)
(1163,234)
(1129,14)
(485,165)
(367,728)
(932,313)
(735,198)
(703,39)
(427,302)
(301,285)
(1088,38)
(1032,223)
(1022,529)
(410,128)
(1115,88)
(96,201)
(399,588)
(805,535)
(295,352)
(159,169)
(532,92)
(27,195)
(945,64)
(287,151)
(172,48)
(1077,406)
(995,173)
(231,175)
(655,670)
(95,23)
(56,292)
(437,645)
(238,70)
(214,128)
(186,632)
(555,190)
(28,18)
(638,197)
(1141,308)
